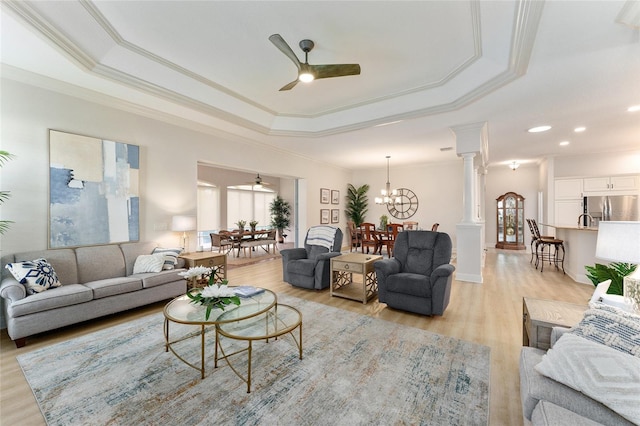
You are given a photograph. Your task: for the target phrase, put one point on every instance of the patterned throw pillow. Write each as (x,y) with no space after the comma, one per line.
(148,263)
(170,256)
(612,327)
(38,275)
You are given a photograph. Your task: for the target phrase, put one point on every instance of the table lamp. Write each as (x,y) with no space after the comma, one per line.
(620,242)
(183,224)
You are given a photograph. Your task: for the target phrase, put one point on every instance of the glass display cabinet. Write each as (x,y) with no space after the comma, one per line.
(510,222)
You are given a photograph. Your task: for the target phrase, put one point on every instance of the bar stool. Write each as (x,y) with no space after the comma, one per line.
(554,257)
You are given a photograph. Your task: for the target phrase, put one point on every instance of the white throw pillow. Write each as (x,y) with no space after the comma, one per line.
(148,263)
(170,256)
(598,371)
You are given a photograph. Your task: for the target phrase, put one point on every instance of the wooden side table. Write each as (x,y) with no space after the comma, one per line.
(218,261)
(540,316)
(342,270)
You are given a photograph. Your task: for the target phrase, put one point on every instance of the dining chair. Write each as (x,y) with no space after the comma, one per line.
(392,233)
(354,235)
(434,227)
(221,241)
(368,237)
(410,225)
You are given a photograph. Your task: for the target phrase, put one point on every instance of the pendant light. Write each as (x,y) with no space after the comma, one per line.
(389,196)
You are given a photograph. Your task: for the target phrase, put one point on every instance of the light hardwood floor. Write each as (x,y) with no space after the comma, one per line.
(488,313)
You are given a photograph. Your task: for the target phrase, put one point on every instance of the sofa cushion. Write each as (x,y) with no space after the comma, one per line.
(37,275)
(535,387)
(148,263)
(62,260)
(610,326)
(161,278)
(306,267)
(408,283)
(66,295)
(170,256)
(548,414)
(112,286)
(99,263)
(598,371)
(315,251)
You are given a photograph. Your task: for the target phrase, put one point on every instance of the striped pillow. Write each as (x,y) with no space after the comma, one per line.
(170,256)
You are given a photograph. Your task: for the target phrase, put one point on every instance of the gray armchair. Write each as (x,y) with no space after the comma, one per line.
(418,276)
(310,267)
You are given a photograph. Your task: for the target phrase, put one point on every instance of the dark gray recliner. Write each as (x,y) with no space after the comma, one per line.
(418,276)
(310,267)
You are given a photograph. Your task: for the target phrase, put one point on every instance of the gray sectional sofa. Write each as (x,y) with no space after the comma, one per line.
(548,402)
(96,281)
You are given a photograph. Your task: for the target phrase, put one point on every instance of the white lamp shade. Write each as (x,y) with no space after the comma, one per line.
(183,223)
(619,241)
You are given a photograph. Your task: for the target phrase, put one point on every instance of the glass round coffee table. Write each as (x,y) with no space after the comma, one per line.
(237,325)
(180,310)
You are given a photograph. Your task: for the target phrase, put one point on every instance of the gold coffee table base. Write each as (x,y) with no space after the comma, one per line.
(280,320)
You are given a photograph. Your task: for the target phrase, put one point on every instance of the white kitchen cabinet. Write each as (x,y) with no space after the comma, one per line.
(567,212)
(567,189)
(611,184)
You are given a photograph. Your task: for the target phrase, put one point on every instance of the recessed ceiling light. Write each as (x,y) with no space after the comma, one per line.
(564,143)
(579,129)
(634,108)
(539,129)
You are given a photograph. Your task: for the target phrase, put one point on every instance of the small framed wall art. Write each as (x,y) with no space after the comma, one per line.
(324,216)
(335,197)
(324,195)
(335,215)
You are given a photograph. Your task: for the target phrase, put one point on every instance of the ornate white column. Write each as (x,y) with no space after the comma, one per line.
(472,146)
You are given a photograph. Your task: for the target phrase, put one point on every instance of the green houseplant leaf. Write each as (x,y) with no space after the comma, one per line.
(614,271)
(357,202)
(4,195)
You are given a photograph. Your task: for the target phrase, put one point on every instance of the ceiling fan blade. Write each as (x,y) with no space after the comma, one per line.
(290,85)
(335,70)
(279,42)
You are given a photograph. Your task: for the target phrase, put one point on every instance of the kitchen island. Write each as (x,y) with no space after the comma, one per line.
(579,246)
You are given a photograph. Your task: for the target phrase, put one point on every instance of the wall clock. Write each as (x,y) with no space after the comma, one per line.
(407,206)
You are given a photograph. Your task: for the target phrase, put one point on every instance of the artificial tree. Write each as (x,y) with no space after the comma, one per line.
(280,210)
(4,195)
(357,203)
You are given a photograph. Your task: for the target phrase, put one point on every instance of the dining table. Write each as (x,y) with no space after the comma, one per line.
(238,237)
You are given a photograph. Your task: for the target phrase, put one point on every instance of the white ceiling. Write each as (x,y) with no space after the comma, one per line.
(431,64)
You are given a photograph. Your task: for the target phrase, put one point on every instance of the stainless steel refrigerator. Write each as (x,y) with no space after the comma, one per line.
(612,207)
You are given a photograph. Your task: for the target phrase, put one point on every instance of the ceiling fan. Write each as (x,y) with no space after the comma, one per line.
(307,72)
(259,182)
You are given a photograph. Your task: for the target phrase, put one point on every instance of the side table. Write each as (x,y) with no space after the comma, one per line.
(217,261)
(540,316)
(343,269)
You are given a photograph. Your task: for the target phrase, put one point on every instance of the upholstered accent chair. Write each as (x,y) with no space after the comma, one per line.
(310,267)
(418,277)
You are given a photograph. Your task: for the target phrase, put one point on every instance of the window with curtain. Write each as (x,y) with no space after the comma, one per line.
(208,212)
(248,205)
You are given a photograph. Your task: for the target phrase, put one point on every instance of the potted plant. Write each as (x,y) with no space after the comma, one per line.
(241,224)
(384,219)
(615,272)
(357,202)
(4,195)
(253,225)
(280,210)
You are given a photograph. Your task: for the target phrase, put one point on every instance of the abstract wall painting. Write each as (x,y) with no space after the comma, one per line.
(93,191)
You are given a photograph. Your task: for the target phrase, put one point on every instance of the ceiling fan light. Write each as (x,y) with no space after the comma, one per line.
(306,77)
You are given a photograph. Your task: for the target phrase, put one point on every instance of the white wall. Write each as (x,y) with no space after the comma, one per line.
(169,155)
(438,187)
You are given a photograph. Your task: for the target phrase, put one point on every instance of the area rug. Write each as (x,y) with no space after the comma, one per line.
(356,370)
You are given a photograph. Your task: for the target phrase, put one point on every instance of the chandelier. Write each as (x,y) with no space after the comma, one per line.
(389,196)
